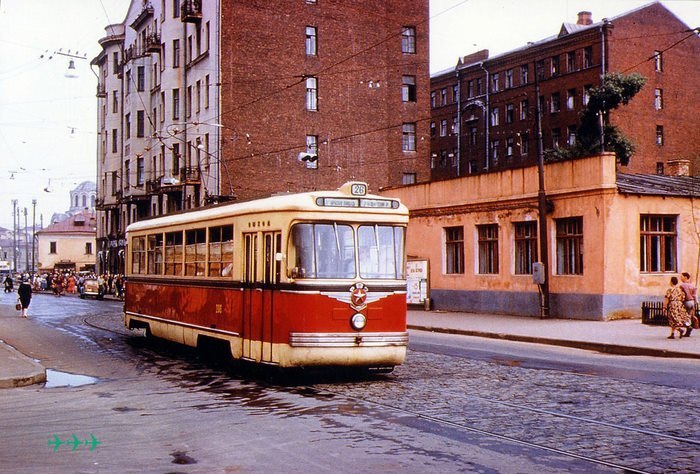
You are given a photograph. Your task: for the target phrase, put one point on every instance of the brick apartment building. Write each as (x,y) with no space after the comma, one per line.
(203,101)
(482,111)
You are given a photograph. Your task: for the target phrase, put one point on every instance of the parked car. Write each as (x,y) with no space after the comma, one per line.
(93,288)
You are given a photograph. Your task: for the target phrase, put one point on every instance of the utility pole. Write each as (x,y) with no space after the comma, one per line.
(33,234)
(26,243)
(14,234)
(541,205)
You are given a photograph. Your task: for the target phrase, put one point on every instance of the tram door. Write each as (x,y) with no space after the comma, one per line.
(272,242)
(252,299)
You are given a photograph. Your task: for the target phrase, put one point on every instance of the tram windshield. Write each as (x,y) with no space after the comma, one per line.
(329,251)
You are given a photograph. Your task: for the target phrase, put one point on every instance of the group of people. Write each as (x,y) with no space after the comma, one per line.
(60,283)
(681,303)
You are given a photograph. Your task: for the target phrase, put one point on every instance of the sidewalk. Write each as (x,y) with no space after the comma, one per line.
(624,337)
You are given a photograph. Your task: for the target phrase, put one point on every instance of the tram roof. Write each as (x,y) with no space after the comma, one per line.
(307,202)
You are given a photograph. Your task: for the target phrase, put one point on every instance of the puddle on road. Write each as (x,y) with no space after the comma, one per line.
(54,379)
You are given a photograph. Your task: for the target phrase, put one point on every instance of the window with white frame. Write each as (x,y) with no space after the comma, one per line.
(312,149)
(311,93)
(657,243)
(494,117)
(658,99)
(570,99)
(658,61)
(454,250)
(443,127)
(569,236)
(408,141)
(311,41)
(408,40)
(488,248)
(525,240)
(408,88)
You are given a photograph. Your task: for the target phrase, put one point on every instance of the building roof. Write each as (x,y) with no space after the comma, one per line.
(85,186)
(658,185)
(80,223)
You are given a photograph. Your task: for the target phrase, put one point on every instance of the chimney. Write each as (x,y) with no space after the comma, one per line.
(585,18)
(678,168)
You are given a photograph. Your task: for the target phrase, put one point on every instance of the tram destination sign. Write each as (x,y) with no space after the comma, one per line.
(354,202)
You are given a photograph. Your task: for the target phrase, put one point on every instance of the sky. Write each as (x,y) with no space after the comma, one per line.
(48,122)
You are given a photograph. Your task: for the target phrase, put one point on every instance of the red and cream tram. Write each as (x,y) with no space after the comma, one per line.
(312,279)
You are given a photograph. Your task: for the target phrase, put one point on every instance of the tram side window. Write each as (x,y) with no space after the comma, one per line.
(138,255)
(220,251)
(173,253)
(155,254)
(381,251)
(323,251)
(195,252)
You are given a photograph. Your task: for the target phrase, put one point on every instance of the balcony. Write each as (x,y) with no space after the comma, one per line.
(153,42)
(191,11)
(189,175)
(153,185)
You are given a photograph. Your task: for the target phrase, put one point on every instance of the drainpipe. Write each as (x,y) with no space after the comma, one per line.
(603,59)
(486,119)
(459,122)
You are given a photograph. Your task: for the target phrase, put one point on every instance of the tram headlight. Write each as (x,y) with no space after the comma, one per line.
(358,321)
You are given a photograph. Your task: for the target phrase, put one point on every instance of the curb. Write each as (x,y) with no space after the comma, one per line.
(33,372)
(614,349)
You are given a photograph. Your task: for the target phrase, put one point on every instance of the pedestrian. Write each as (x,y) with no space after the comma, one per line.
(24,291)
(673,303)
(691,300)
(8,284)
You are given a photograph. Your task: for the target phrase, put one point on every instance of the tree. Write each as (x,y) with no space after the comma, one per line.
(617,89)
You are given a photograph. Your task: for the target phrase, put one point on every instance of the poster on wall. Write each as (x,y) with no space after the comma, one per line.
(416,281)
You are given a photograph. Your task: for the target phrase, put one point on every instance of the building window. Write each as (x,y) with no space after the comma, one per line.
(188,101)
(658,61)
(408,40)
(510,145)
(127,82)
(409,137)
(408,88)
(658,99)
(140,78)
(433,129)
(494,117)
(140,125)
(443,158)
(571,135)
(472,135)
(454,250)
(312,149)
(115,184)
(176,160)
(555,104)
(524,112)
(488,248)
(586,94)
(115,63)
(443,96)
(127,174)
(176,104)
(555,66)
(408,178)
(509,79)
(198,97)
(479,86)
(311,41)
(570,99)
(127,126)
(525,247)
(657,245)
(495,145)
(433,99)
(311,93)
(539,69)
(470,88)
(570,246)
(510,113)
(88,248)
(52,247)
(114,140)
(115,102)
(659,135)
(524,144)
(176,53)
(455,93)
(495,83)
(524,75)
(443,127)
(140,171)
(571,61)
(176,8)
(556,138)
(433,160)
(206,91)
(588,56)
(660,168)
(455,126)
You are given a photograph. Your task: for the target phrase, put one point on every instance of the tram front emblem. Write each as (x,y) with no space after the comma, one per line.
(358,296)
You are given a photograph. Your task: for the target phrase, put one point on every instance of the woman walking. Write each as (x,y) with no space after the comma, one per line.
(673,302)
(25,294)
